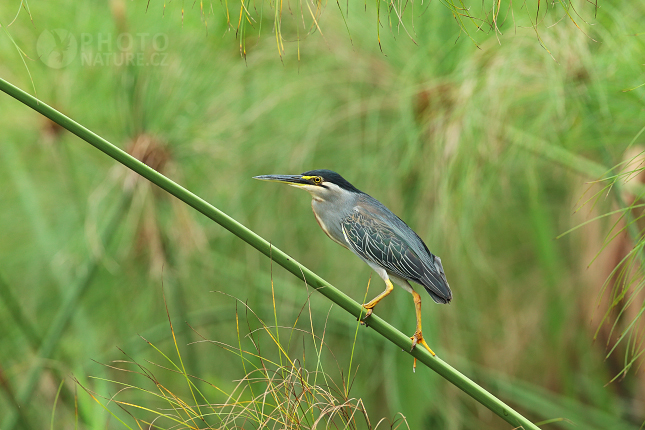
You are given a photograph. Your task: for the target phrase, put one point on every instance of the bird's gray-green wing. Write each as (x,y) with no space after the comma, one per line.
(379,243)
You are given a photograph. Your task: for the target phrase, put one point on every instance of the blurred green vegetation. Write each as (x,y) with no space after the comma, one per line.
(457,139)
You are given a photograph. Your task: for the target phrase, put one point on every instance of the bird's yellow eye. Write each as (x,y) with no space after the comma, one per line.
(317,180)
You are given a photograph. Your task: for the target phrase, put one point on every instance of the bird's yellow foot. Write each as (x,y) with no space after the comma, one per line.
(418,339)
(368,312)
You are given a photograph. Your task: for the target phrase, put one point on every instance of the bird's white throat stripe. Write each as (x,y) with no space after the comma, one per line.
(320,222)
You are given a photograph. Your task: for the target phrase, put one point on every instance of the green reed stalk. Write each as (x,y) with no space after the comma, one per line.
(341,299)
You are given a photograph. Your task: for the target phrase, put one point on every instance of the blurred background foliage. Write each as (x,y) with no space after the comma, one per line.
(485,148)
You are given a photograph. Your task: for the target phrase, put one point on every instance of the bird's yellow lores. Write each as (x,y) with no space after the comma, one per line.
(366,227)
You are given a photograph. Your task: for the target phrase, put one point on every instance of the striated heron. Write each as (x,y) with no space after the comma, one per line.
(365,226)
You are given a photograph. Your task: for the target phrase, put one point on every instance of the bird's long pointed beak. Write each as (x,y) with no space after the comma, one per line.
(285,179)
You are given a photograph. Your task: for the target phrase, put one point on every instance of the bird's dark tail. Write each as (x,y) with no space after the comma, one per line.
(434,281)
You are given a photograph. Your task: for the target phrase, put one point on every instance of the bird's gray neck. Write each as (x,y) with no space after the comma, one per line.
(331,210)
(334,205)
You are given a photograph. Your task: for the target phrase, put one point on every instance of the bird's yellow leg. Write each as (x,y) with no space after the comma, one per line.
(370,305)
(418,337)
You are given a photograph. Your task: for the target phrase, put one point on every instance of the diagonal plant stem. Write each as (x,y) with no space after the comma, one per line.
(341,299)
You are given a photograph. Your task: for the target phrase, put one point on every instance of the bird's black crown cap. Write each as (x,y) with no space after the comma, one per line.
(334,178)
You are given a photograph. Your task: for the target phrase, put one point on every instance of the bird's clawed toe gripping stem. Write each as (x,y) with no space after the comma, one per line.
(368,313)
(418,339)
(370,305)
